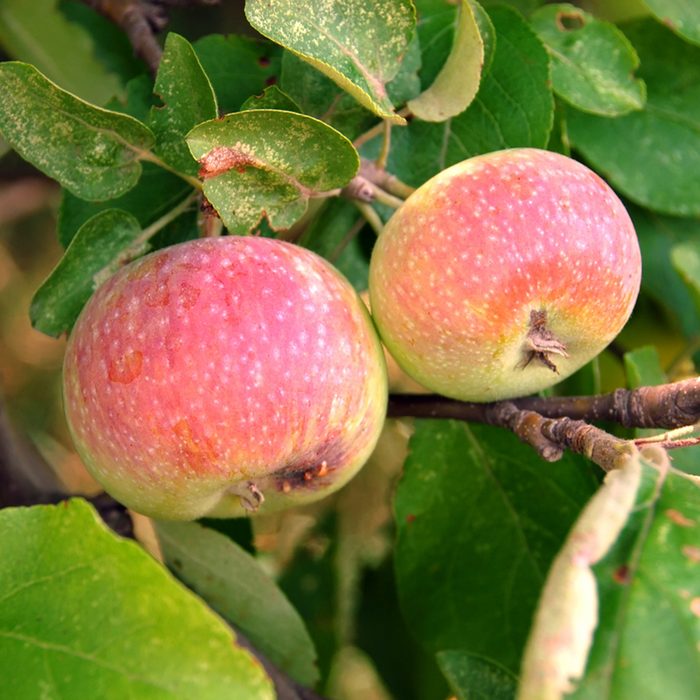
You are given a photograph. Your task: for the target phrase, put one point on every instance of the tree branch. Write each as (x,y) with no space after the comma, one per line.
(665,406)
(141,20)
(551,425)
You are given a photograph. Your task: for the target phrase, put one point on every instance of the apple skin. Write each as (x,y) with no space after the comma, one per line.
(224,376)
(479,252)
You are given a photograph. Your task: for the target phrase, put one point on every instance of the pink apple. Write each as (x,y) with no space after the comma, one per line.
(504,274)
(223,376)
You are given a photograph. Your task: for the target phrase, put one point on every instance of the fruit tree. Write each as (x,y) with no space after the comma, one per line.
(350,349)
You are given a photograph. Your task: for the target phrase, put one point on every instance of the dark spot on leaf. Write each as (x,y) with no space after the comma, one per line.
(272,80)
(224,158)
(410,518)
(622,574)
(570,21)
(692,553)
(678,518)
(264,61)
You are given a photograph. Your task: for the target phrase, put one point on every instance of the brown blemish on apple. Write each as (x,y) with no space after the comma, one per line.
(224,158)
(188,295)
(308,474)
(157,294)
(692,553)
(678,518)
(149,266)
(124,369)
(198,453)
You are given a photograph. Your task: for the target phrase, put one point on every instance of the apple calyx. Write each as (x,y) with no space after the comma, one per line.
(251,497)
(541,342)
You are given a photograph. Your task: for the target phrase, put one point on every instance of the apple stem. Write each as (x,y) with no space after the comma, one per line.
(370,215)
(541,343)
(386,145)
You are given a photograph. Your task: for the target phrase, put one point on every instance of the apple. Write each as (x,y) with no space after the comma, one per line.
(224,376)
(503,274)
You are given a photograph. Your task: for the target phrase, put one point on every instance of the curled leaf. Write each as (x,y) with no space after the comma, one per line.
(458,81)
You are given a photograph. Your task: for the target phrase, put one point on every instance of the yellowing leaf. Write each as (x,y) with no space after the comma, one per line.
(457,83)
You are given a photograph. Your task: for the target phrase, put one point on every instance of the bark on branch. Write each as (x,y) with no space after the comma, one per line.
(141,21)
(551,425)
(665,406)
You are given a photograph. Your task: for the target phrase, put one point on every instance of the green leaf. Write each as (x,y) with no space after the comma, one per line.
(253,63)
(488,34)
(333,235)
(318,96)
(458,81)
(96,248)
(188,99)
(592,61)
(480,517)
(643,367)
(85,614)
(359,50)
(513,108)
(138,101)
(657,237)
(271,98)
(681,16)
(268,163)
(475,678)
(406,83)
(523,6)
(112,47)
(685,258)
(140,201)
(310,582)
(237,587)
(91,151)
(652,156)
(37,32)
(649,592)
